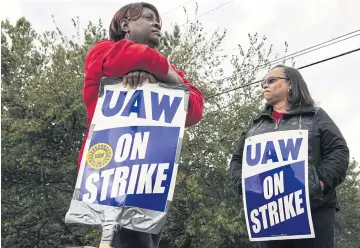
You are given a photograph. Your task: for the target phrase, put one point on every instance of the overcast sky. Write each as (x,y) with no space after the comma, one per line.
(335,84)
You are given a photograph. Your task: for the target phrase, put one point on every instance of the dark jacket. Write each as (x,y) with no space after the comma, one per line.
(328,152)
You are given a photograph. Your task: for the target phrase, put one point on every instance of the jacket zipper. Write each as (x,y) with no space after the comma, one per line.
(277,124)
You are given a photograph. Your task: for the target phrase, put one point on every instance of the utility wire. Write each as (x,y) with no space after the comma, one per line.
(296,54)
(303,50)
(302,67)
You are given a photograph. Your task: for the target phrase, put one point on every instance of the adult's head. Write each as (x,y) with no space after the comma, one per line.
(139,22)
(285,84)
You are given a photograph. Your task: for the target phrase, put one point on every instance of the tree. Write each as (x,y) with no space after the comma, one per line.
(43,122)
(348,219)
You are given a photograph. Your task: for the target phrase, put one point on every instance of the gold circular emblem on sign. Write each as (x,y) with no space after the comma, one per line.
(99,155)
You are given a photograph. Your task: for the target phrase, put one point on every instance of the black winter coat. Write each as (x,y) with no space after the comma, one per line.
(328,152)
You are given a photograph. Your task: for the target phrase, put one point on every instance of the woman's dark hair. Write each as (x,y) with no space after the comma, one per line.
(299,93)
(131,11)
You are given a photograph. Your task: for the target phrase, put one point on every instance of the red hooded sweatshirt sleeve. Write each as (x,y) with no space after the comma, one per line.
(115,59)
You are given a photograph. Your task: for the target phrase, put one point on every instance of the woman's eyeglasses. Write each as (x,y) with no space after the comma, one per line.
(271,80)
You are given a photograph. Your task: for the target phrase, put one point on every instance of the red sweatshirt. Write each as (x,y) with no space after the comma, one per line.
(115,59)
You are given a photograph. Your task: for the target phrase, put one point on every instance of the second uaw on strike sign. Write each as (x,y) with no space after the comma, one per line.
(275,186)
(128,171)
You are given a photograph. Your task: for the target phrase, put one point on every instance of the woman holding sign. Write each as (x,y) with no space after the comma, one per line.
(281,208)
(130,54)
(135,32)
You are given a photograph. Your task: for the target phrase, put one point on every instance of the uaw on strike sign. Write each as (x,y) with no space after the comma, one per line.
(275,186)
(128,170)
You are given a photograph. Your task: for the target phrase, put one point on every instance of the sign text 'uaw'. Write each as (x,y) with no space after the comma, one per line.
(140,104)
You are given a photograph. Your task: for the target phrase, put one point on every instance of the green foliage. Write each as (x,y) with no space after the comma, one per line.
(44,120)
(348,220)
